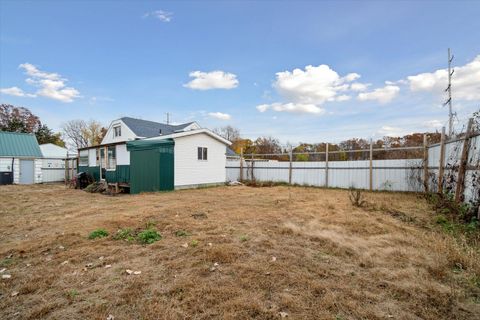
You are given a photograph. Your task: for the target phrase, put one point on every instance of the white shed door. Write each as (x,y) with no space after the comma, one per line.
(26,171)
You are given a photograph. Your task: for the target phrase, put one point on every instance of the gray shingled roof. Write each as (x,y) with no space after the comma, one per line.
(231,153)
(148,129)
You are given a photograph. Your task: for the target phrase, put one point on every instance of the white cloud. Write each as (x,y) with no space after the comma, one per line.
(343,97)
(50,85)
(382,95)
(212,80)
(16,91)
(465,81)
(433,124)
(291,107)
(357,86)
(220,115)
(313,85)
(391,131)
(161,15)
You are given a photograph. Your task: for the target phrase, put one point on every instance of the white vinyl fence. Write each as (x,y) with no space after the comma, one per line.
(53,170)
(451,159)
(395,175)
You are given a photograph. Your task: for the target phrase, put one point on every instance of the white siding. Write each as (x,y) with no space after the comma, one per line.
(189,171)
(126,133)
(5,164)
(16,171)
(37,171)
(53,170)
(123,156)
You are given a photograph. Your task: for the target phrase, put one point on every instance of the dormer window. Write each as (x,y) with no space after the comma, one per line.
(117,131)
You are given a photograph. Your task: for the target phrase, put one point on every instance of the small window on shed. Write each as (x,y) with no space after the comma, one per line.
(202,153)
(83,161)
(117,131)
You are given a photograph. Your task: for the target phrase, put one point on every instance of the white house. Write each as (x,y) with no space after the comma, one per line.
(186,155)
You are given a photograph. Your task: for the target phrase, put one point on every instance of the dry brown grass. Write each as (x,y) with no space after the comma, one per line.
(333,261)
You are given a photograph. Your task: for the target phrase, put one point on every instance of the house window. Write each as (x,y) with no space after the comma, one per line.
(83,158)
(111,158)
(117,131)
(202,153)
(97,157)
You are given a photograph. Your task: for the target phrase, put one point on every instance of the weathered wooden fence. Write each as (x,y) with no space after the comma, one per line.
(460,174)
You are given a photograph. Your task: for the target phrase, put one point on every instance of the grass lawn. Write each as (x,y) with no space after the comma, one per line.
(230,253)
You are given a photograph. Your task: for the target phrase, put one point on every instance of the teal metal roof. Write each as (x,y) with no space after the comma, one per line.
(14,144)
(148,144)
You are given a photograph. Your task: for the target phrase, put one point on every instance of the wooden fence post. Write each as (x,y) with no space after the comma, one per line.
(66,169)
(326,165)
(463,163)
(371,165)
(441,167)
(425,162)
(241,164)
(290,167)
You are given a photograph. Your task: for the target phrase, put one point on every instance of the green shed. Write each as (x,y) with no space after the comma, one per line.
(151,165)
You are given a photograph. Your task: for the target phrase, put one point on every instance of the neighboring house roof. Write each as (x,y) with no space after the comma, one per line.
(50,150)
(148,129)
(192,132)
(231,153)
(14,144)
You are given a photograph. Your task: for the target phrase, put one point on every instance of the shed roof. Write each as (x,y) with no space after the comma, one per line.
(14,144)
(147,129)
(50,150)
(148,144)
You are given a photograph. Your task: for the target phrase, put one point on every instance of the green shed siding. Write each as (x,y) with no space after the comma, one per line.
(14,144)
(151,165)
(121,174)
(93,171)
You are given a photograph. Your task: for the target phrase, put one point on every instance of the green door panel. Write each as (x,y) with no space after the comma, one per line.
(151,165)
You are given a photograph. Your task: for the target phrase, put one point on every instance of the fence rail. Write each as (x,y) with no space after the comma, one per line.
(438,168)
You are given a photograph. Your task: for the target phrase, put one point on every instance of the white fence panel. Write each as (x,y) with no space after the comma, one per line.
(453,153)
(346,174)
(308,173)
(395,175)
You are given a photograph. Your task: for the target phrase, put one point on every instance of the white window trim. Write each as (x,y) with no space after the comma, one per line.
(115,131)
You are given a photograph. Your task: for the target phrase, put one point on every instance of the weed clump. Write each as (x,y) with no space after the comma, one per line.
(99,233)
(356,198)
(149,236)
(194,243)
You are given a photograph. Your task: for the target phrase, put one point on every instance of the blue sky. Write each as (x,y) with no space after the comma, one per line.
(376,68)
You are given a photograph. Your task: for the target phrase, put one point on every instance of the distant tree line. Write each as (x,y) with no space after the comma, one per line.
(337,151)
(75,133)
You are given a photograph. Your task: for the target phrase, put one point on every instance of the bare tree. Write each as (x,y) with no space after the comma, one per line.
(82,134)
(228,132)
(74,131)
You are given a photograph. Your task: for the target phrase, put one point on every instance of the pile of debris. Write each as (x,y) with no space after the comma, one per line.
(96,187)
